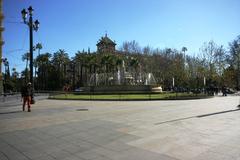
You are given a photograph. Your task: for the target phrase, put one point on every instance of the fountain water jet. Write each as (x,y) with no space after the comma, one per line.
(122,81)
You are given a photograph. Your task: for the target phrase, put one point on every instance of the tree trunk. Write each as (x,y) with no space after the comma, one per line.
(81,76)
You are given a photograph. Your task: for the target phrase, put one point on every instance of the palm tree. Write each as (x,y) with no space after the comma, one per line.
(81,59)
(134,63)
(92,60)
(60,61)
(184,49)
(43,62)
(26,57)
(14,79)
(107,61)
(94,64)
(39,47)
(119,62)
(60,58)
(14,73)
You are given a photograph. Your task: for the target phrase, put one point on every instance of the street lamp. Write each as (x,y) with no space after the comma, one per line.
(32,26)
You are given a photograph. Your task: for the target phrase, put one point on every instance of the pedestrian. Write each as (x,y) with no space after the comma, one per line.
(224,90)
(26,96)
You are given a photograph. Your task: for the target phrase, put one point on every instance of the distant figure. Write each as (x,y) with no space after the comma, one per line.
(66,89)
(26,96)
(224,91)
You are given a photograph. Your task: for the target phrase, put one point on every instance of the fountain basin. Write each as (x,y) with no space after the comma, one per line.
(122,88)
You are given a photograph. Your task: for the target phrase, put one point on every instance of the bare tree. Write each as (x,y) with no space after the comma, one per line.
(130,47)
(235,58)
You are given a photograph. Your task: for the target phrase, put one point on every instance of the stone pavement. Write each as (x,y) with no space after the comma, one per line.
(207,129)
(15,99)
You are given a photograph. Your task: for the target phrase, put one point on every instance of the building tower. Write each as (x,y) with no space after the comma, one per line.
(1,44)
(106,45)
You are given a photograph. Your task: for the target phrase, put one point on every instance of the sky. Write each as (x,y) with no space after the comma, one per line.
(78,24)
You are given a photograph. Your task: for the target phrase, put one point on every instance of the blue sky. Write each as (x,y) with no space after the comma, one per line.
(78,24)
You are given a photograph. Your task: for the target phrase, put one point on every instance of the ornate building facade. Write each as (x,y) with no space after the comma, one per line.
(106,45)
(1,44)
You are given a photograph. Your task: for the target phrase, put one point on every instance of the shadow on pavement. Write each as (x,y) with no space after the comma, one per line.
(199,116)
(211,114)
(10,112)
(82,110)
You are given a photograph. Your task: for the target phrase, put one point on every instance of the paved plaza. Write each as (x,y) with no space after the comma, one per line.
(206,129)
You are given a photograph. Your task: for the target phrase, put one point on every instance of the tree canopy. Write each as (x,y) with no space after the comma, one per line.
(214,64)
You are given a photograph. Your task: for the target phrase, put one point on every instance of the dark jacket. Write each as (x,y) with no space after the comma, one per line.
(26,91)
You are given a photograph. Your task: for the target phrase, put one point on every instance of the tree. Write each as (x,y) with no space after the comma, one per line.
(119,62)
(230,77)
(15,80)
(134,64)
(178,64)
(234,58)
(39,47)
(208,52)
(184,49)
(220,63)
(107,61)
(147,50)
(93,62)
(130,47)
(60,61)
(82,65)
(44,66)
(15,74)
(26,57)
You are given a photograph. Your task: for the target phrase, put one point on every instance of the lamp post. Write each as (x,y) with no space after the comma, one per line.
(32,26)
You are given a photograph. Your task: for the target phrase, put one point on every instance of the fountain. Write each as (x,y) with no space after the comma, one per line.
(125,77)
(110,79)
(122,81)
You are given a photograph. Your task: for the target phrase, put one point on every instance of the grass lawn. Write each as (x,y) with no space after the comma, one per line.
(154,96)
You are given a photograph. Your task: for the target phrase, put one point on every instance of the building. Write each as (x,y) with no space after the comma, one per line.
(1,44)
(106,45)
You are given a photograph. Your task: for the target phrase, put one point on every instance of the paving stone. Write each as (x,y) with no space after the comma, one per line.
(88,155)
(59,155)
(152,130)
(73,157)
(214,156)
(3,156)
(34,153)
(44,157)
(117,146)
(11,153)
(140,154)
